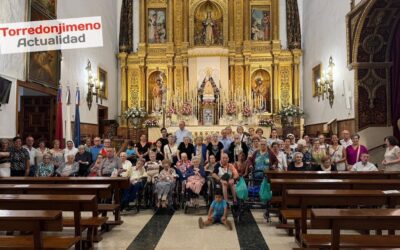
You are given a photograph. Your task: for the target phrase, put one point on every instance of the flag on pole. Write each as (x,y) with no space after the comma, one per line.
(59,120)
(77,130)
(68,132)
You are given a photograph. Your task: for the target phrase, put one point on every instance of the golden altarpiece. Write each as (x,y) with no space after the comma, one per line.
(209,61)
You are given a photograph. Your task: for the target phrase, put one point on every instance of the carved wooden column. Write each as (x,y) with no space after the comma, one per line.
(276,87)
(296,73)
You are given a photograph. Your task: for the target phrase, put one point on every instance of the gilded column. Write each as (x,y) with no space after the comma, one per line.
(275,20)
(185,25)
(232,80)
(171,87)
(231,20)
(296,76)
(170,20)
(143,88)
(143,21)
(247,85)
(124,83)
(276,88)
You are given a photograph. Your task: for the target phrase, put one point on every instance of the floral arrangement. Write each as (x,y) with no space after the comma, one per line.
(171,111)
(246,111)
(151,123)
(231,108)
(134,113)
(291,110)
(187,109)
(266,123)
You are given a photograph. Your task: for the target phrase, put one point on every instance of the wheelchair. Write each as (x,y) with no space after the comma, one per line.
(189,194)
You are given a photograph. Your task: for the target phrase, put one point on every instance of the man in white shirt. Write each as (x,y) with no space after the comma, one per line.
(346,141)
(32,154)
(364,165)
(182,132)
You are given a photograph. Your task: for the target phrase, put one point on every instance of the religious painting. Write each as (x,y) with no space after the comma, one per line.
(208,25)
(43,66)
(316,75)
(103,81)
(47,6)
(260,23)
(157,26)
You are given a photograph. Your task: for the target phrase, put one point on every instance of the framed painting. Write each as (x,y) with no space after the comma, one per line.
(47,6)
(157,26)
(260,23)
(316,75)
(44,66)
(103,81)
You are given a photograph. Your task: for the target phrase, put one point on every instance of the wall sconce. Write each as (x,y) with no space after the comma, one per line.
(94,87)
(325,84)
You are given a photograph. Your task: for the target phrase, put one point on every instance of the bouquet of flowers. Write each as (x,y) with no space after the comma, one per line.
(187,109)
(171,111)
(291,110)
(134,113)
(266,123)
(246,111)
(151,123)
(231,108)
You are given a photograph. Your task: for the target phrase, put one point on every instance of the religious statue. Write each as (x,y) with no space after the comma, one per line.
(158,94)
(208,32)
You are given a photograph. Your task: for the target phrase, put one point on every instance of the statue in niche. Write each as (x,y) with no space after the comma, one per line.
(208,30)
(208,90)
(158,93)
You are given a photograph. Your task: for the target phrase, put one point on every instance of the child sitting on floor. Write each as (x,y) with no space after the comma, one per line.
(218,212)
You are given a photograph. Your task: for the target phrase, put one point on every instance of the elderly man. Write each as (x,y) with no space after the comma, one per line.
(346,141)
(96,148)
(32,154)
(182,132)
(225,140)
(110,164)
(364,164)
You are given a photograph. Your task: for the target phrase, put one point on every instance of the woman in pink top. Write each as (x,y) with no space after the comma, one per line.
(354,151)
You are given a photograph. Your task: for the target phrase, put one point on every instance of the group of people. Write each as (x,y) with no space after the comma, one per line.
(179,158)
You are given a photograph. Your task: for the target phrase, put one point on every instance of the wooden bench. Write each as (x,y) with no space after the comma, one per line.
(331,175)
(334,198)
(117,184)
(353,219)
(74,203)
(35,222)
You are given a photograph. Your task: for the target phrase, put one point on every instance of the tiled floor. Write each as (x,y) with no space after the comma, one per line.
(182,232)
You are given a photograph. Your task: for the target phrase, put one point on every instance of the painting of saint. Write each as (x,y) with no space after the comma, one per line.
(260,23)
(156,28)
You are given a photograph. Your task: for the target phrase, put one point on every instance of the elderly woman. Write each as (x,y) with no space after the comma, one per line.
(57,154)
(195,180)
(5,161)
(354,151)
(185,147)
(255,144)
(236,148)
(288,150)
(327,164)
(280,156)
(170,150)
(138,174)
(226,174)
(165,183)
(317,154)
(40,152)
(19,158)
(95,169)
(84,159)
(297,164)
(215,147)
(46,167)
(126,165)
(262,160)
(69,168)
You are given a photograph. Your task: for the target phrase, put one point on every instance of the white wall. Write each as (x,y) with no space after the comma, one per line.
(12,66)
(324,35)
(73,65)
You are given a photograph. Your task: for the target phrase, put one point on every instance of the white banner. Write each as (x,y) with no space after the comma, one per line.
(47,35)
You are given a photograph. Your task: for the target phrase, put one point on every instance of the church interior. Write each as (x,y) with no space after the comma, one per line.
(278,119)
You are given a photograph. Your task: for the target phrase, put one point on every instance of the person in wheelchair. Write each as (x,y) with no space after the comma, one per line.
(182,168)
(195,181)
(69,168)
(165,183)
(262,160)
(137,179)
(152,167)
(225,174)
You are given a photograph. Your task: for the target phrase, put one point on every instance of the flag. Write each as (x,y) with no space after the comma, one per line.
(77,130)
(68,132)
(59,120)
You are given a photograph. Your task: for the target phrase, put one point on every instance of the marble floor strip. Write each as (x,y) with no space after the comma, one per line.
(249,234)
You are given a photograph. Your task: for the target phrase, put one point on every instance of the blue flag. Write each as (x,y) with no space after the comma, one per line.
(77,131)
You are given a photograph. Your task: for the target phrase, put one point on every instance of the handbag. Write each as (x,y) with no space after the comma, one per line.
(265,191)
(241,189)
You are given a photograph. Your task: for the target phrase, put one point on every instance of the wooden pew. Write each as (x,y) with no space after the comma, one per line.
(331,175)
(279,187)
(117,184)
(353,219)
(74,203)
(35,222)
(334,198)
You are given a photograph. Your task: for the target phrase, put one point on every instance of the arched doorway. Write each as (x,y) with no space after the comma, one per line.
(371,33)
